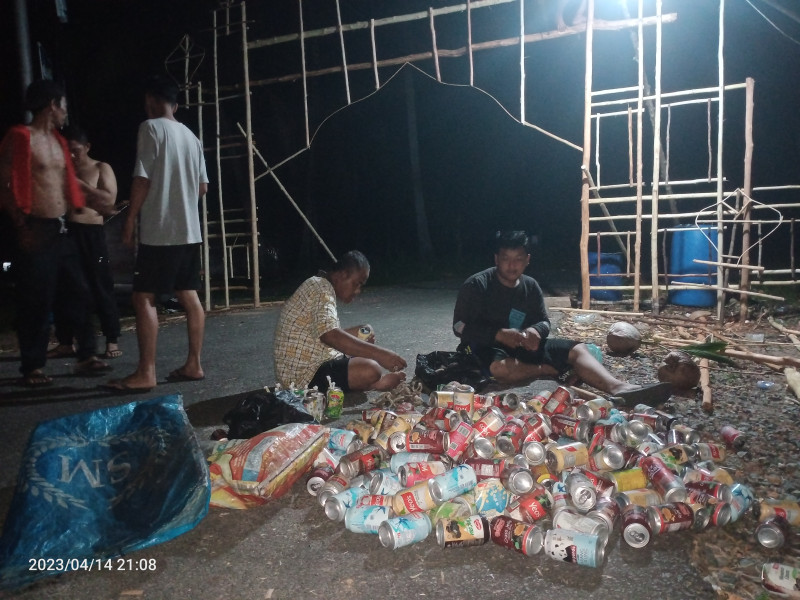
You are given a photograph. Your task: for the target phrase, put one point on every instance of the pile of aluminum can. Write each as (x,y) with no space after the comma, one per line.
(552,473)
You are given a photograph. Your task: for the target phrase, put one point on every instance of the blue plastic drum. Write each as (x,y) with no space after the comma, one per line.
(690,243)
(611,264)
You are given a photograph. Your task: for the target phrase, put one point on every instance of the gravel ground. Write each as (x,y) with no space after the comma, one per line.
(729,556)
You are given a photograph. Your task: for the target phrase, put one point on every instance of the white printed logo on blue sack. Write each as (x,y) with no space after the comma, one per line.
(516,318)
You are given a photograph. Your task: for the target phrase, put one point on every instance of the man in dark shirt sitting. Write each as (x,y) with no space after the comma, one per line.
(501,318)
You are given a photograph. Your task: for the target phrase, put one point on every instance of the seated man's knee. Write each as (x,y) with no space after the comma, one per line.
(362,373)
(578,350)
(499,370)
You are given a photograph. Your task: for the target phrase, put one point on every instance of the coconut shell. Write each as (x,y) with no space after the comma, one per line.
(680,370)
(623,338)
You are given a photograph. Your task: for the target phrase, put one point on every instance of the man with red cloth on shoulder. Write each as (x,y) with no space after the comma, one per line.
(38,187)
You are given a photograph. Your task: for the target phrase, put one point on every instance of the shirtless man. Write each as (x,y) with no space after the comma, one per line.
(96,180)
(37,187)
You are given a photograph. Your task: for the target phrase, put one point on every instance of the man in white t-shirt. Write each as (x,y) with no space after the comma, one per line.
(168,180)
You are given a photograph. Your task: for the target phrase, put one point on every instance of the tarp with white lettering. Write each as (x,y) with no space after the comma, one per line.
(102,484)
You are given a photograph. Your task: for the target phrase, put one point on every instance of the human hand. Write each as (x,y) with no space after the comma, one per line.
(127,233)
(532,339)
(392,362)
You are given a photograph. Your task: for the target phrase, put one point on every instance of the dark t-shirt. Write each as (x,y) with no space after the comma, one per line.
(484,306)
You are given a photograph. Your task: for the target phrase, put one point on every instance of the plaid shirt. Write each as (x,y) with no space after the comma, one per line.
(307,315)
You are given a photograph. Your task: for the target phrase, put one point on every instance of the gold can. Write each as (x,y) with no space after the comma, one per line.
(567,456)
(442,398)
(629,479)
(363,430)
(398,425)
(417,498)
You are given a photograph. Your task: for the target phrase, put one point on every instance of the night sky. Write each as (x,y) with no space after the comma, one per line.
(479,170)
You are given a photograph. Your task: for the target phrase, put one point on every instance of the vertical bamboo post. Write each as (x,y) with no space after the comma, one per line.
(344,56)
(469,43)
(223,236)
(637,266)
(587,151)
(748,191)
(656,162)
(204,200)
(522,60)
(433,43)
(374,53)
(250,165)
(303,65)
(720,123)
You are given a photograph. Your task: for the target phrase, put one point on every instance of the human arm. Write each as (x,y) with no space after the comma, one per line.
(7,201)
(354,331)
(103,197)
(345,342)
(471,320)
(139,189)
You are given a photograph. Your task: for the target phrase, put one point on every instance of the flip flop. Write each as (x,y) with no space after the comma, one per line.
(91,367)
(60,352)
(120,388)
(35,379)
(113,353)
(178,376)
(652,394)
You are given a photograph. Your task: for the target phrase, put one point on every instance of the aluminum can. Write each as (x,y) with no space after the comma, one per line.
(336,506)
(785,509)
(509,439)
(571,427)
(581,490)
(433,418)
(673,516)
(384,482)
(417,498)
(463,399)
(631,433)
(484,401)
(486,468)
(571,546)
(317,478)
(484,447)
(442,398)
(664,481)
(452,483)
(702,515)
(686,434)
(457,507)
(521,537)
(608,456)
(462,531)
(558,493)
(366,519)
(363,430)
(489,497)
(773,532)
(340,439)
(336,483)
(780,578)
(517,480)
(674,455)
(404,531)
(335,400)
(534,452)
(641,497)
(533,506)
(542,472)
(720,513)
(636,529)
(714,489)
(649,446)
(710,451)
(412,473)
(361,461)
(375,500)
(567,518)
(403,458)
(629,479)
(425,441)
(603,485)
(560,401)
(594,409)
(490,424)
(537,402)
(733,437)
(567,456)
(607,510)
(537,427)
(398,425)
(456,441)
(509,402)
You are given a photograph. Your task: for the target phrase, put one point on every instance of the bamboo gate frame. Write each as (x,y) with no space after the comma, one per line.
(592,114)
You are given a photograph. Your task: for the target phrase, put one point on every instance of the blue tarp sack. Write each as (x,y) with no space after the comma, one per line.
(102,484)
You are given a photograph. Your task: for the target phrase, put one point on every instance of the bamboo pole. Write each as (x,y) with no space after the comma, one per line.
(720,125)
(303,73)
(345,71)
(250,164)
(522,60)
(469,43)
(374,53)
(204,200)
(639,162)
(604,208)
(728,265)
(656,163)
(218,140)
(587,140)
(435,49)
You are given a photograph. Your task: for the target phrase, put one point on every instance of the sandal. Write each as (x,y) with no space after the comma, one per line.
(61,351)
(91,366)
(35,378)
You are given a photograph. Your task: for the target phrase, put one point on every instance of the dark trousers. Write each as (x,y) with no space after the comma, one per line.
(93,251)
(46,263)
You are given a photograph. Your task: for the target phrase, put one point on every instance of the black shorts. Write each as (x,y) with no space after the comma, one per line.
(165,269)
(553,352)
(337,369)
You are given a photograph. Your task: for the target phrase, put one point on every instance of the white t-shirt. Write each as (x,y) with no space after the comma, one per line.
(171,157)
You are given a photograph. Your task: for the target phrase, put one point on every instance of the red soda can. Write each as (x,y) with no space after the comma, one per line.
(375,500)
(636,530)
(491,423)
(485,468)
(361,461)
(560,401)
(432,441)
(456,441)
(537,427)
(664,481)
(571,427)
(673,516)
(412,473)
(714,489)
(733,437)
(519,536)
(317,478)
(509,439)
(533,506)
(433,418)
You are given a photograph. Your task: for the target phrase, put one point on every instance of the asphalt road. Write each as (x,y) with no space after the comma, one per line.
(288,548)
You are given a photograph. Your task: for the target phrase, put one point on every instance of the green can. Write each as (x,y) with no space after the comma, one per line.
(335,400)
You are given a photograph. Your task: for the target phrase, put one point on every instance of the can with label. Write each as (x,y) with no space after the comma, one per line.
(486,468)
(571,427)
(425,441)
(733,437)
(375,500)
(636,526)
(785,509)
(642,497)
(572,546)
(397,425)
(780,578)
(517,480)
(629,479)
(490,424)
(533,506)
(534,452)
(366,519)
(567,518)
(567,456)
(538,401)
(314,403)
(594,409)
(603,485)
(335,401)
(537,427)
(317,478)
(361,461)
(402,458)
(336,483)
(340,439)
(336,506)
(452,483)
(607,510)
(483,447)
(463,399)
(456,441)
(558,493)
(384,482)
(581,490)
(742,498)
(363,430)
(673,516)
(509,438)
(664,481)
(714,489)
(521,537)
(442,398)
(462,531)
(404,530)
(412,473)
(364,332)
(683,434)
(489,497)
(417,498)
(709,451)
(457,507)
(774,532)
(560,401)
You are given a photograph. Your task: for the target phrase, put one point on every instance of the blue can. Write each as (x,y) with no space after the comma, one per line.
(336,506)
(405,530)
(385,483)
(452,483)
(366,519)
(742,499)
(583,549)
(490,497)
(340,439)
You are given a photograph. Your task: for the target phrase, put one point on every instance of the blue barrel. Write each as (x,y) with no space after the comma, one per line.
(610,268)
(689,243)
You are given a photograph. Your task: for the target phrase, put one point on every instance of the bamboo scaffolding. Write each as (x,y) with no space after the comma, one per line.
(720,129)
(656,163)
(604,208)
(522,60)
(469,43)
(303,74)
(218,156)
(639,161)
(374,54)
(587,139)
(677,94)
(748,192)
(250,164)
(204,204)
(435,49)
(344,54)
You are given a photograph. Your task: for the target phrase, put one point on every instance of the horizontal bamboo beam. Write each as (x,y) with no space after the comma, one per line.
(728,265)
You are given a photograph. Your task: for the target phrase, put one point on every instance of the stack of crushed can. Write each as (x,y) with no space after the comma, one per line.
(553,473)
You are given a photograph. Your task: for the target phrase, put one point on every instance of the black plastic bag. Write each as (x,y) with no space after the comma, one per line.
(263,410)
(442,367)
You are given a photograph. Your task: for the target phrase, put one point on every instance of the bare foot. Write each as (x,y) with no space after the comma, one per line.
(624,387)
(389,381)
(112,350)
(61,351)
(35,378)
(136,381)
